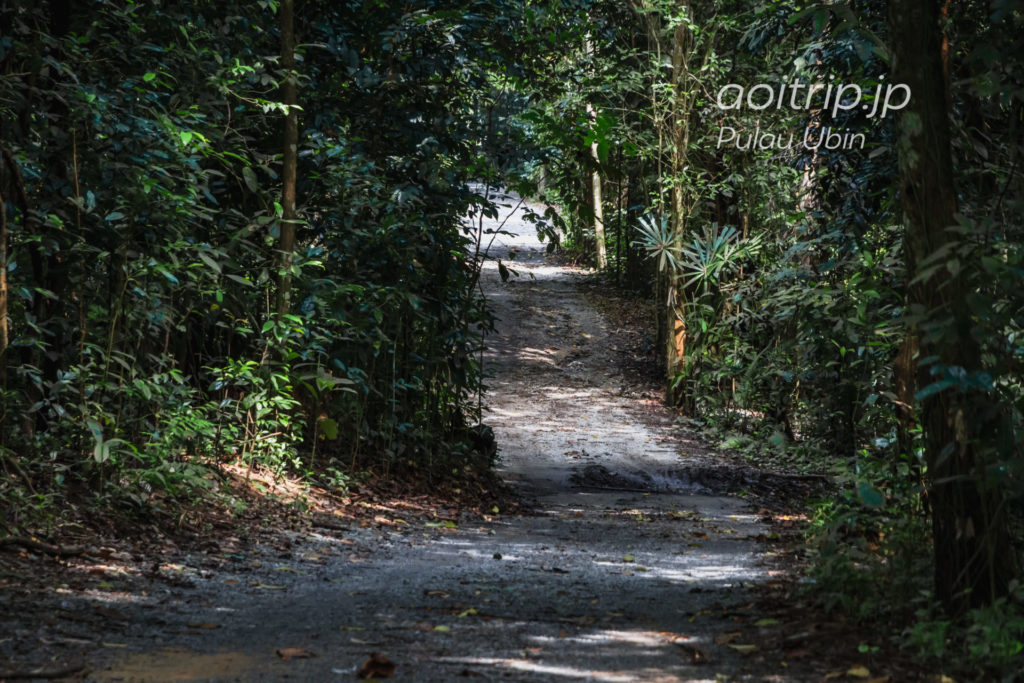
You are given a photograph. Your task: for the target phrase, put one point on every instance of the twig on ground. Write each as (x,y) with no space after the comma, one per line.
(40,546)
(49,675)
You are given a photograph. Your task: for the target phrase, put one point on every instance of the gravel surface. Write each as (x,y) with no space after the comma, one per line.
(625,570)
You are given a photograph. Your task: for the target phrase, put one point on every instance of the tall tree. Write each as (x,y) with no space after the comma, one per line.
(290,144)
(596,196)
(963,422)
(597,200)
(3,286)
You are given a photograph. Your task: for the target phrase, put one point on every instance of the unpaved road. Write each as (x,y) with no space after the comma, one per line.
(628,570)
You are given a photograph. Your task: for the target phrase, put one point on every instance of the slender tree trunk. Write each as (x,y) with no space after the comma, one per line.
(595,184)
(598,201)
(4,338)
(680,112)
(289,173)
(963,428)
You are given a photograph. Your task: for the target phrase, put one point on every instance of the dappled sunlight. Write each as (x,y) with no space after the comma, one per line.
(700,572)
(109,596)
(721,563)
(647,639)
(569,671)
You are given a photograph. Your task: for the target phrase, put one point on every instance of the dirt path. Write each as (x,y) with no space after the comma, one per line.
(630,569)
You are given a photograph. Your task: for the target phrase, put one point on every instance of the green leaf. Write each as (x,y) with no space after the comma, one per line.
(167,274)
(249,176)
(186,136)
(114,216)
(149,76)
(240,280)
(95,430)
(329,428)
(933,388)
(869,495)
(209,261)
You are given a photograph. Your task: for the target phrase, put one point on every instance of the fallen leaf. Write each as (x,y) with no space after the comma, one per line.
(697,655)
(351,628)
(436,593)
(207,625)
(726,638)
(290,569)
(377,666)
(266,586)
(628,558)
(468,613)
(744,649)
(288,653)
(443,629)
(766,622)
(859,672)
(880,679)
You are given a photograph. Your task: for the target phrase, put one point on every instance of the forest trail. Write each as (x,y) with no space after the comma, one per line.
(628,568)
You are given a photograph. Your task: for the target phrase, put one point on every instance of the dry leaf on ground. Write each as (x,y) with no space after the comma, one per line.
(377,666)
(288,653)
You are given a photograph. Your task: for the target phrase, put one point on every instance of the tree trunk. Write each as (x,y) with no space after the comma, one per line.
(289,173)
(962,426)
(4,340)
(598,202)
(681,198)
(600,251)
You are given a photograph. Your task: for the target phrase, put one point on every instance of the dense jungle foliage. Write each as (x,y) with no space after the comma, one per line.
(145,227)
(243,231)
